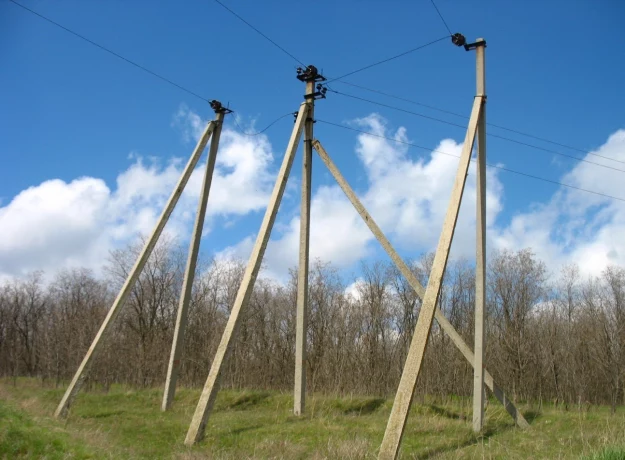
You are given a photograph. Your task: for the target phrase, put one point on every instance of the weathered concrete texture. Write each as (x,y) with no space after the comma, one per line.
(412,368)
(211,388)
(415,284)
(480,253)
(189,274)
(299,394)
(85,365)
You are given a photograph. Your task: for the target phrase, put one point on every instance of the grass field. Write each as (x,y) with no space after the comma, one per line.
(129,424)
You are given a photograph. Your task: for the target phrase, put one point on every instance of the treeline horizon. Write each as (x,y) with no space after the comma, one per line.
(558,338)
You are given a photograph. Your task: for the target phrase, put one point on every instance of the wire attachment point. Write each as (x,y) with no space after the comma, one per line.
(218,107)
(458,39)
(310,73)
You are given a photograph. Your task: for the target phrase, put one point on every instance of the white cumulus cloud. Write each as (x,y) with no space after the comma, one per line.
(407,196)
(574,226)
(59,224)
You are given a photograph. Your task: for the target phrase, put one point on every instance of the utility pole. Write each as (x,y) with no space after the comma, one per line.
(416,285)
(189,274)
(480,221)
(83,370)
(414,361)
(213,381)
(207,399)
(310,76)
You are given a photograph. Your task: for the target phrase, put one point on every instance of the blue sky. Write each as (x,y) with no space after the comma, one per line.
(72,111)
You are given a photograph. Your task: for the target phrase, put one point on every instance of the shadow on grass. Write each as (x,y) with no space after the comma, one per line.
(446,413)
(103,414)
(531,415)
(359,406)
(474,439)
(243,429)
(247,401)
(489,431)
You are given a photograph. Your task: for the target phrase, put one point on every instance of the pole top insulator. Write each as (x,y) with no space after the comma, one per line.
(458,39)
(218,107)
(310,73)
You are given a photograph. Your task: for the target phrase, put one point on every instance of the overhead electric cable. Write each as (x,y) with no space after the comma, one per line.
(457,156)
(388,59)
(505,128)
(304,65)
(260,33)
(441,16)
(145,69)
(256,133)
(399,109)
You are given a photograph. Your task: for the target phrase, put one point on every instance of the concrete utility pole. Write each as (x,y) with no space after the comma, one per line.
(403,399)
(85,365)
(189,274)
(480,265)
(310,76)
(211,387)
(415,284)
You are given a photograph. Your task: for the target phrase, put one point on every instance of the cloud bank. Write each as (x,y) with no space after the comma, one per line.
(59,224)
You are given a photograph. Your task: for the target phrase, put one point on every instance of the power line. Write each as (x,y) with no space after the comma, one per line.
(145,69)
(388,59)
(456,114)
(400,98)
(260,33)
(456,156)
(488,134)
(441,16)
(242,131)
(304,65)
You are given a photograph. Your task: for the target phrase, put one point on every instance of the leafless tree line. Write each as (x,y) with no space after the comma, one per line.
(557,338)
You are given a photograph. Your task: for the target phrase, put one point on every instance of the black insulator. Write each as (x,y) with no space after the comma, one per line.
(458,39)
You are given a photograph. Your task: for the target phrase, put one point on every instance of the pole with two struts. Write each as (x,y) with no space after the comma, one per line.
(105,328)
(209,393)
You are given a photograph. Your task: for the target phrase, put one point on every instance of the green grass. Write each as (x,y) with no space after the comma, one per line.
(22,437)
(609,453)
(125,423)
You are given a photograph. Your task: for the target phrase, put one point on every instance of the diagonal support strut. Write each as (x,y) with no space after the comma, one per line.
(414,361)
(211,387)
(177,345)
(449,329)
(83,370)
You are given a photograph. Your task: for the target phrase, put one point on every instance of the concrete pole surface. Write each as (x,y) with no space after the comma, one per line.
(85,365)
(414,282)
(403,399)
(480,255)
(189,273)
(211,387)
(299,394)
